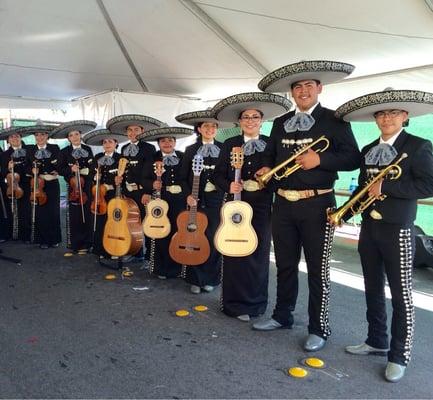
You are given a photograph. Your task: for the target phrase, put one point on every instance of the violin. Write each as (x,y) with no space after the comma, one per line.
(13,191)
(99,204)
(37,196)
(77,194)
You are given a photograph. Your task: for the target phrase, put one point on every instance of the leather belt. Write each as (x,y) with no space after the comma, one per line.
(295,195)
(251,186)
(210,187)
(48,177)
(174,189)
(84,171)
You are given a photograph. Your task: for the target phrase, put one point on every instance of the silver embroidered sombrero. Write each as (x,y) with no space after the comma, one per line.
(38,128)
(5,133)
(167,131)
(195,117)
(363,108)
(121,122)
(271,105)
(62,132)
(281,80)
(95,137)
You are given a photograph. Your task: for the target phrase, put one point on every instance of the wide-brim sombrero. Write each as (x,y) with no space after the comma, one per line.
(96,137)
(121,122)
(281,80)
(39,128)
(5,133)
(62,132)
(195,117)
(167,131)
(363,108)
(271,105)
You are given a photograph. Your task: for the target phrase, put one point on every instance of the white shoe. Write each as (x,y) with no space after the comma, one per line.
(208,288)
(364,349)
(162,277)
(195,289)
(243,318)
(394,372)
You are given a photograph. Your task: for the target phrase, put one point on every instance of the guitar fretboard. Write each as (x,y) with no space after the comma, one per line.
(193,210)
(237,196)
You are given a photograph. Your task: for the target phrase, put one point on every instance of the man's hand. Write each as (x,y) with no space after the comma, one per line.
(191,201)
(308,160)
(118,180)
(262,171)
(375,190)
(157,185)
(74,168)
(235,187)
(145,199)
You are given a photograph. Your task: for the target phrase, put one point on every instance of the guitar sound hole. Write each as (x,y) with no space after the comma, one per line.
(237,218)
(117,214)
(156,212)
(191,227)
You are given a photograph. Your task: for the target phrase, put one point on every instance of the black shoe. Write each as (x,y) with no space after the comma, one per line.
(55,245)
(269,325)
(44,246)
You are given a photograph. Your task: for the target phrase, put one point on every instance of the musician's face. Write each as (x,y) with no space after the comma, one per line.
(390,122)
(41,138)
(306,93)
(133,131)
(250,122)
(208,130)
(167,144)
(75,138)
(14,140)
(109,145)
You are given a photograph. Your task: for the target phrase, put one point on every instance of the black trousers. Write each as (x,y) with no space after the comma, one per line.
(296,226)
(388,250)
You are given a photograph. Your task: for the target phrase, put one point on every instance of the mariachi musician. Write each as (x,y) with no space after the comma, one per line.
(17,203)
(398,166)
(170,189)
(42,166)
(105,173)
(299,210)
(245,279)
(138,154)
(5,217)
(76,168)
(207,275)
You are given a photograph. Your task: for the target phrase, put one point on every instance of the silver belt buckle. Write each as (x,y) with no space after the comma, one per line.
(375,215)
(292,195)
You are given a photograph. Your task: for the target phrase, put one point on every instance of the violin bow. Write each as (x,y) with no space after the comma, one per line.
(96,199)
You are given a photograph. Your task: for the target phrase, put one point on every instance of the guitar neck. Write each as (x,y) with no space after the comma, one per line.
(194,194)
(237,196)
(157,193)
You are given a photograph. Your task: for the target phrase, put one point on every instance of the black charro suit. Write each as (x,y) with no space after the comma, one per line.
(387,247)
(303,223)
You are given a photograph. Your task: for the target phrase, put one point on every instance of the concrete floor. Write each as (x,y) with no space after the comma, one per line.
(66,332)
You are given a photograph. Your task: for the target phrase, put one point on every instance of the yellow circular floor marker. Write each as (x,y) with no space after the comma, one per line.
(110,277)
(297,372)
(200,308)
(314,362)
(127,273)
(68,254)
(182,313)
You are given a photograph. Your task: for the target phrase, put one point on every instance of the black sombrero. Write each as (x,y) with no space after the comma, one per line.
(271,105)
(363,108)
(195,117)
(167,131)
(5,133)
(326,72)
(121,122)
(95,137)
(62,132)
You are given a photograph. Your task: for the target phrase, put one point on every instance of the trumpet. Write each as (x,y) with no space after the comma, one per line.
(265,178)
(362,200)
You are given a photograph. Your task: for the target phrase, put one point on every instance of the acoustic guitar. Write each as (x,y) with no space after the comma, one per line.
(189,245)
(235,236)
(156,224)
(122,232)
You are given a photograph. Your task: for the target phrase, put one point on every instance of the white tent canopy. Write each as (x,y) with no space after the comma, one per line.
(55,51)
